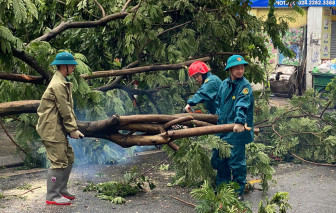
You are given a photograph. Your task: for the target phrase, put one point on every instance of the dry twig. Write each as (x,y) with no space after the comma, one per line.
(190,204)
(29,190)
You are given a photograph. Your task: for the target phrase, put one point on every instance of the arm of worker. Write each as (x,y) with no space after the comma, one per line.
(218,99)
(76,134)
(64,108)
(207,91)
(243,102)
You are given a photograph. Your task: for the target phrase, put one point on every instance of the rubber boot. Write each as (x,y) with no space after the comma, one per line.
(54,180)
(64,184)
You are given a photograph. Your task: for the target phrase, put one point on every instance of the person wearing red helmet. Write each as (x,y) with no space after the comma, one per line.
(209,87)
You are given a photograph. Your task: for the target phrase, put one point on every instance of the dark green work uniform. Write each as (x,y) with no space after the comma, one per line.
(207,92)
(235,105)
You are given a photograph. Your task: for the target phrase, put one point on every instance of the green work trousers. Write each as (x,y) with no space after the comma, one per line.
(232,168)
(60,154)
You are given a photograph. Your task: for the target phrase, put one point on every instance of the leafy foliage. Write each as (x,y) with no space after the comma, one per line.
(277,202)
(115,191)
(224,201)
(299,129)
(157,31)
(258,162)
(192,161)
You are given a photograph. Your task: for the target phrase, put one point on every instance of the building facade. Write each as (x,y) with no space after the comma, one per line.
(312,36)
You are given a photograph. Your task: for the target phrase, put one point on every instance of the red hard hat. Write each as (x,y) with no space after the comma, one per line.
(198,67)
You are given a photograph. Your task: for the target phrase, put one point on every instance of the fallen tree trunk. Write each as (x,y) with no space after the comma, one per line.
(19,107)
(136,130)
(149,133)
(167,137)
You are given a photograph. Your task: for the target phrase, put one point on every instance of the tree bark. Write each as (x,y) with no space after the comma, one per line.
(167,137)
(18,107)
(31,62)
(80,24)
(21,78)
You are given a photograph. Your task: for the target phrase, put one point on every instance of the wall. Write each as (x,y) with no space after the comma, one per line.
(314,22)
(293,39)
(300,20)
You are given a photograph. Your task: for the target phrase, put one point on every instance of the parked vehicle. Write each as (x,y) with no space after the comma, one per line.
(283,81)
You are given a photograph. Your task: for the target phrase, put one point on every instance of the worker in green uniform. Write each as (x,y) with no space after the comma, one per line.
(209,87)
(56,121)
(235,105)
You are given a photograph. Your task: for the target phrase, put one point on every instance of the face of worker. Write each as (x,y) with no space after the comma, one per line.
(237,71)
(70,69)
(198,77)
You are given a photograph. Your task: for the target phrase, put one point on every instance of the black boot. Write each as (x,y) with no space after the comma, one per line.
(54,180)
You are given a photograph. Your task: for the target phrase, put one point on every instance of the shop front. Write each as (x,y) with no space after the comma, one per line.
(314,37)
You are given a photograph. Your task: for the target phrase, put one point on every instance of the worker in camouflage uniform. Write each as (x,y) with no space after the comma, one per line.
(56,121)
(209,87)
(235,105)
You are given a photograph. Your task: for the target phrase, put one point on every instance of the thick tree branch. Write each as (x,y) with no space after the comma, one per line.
(162,67)
(118,79)
(31,62)
(19,107)
(129,90)
(165,138)
(21,78)
(80,24)
(155,127)
(219,53)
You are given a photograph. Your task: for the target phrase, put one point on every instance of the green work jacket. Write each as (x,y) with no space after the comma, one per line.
(235,103)
(56,115)
(207,93)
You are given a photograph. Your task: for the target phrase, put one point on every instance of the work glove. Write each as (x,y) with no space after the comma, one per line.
(187,108)
(76,134)
(238,128)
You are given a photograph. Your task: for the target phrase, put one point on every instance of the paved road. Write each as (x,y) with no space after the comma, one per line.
(311,189)
(157,200)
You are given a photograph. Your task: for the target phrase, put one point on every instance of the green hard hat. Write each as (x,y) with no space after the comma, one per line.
(234,61)
(64,58)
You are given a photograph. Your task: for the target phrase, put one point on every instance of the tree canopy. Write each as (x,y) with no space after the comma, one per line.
(120,44)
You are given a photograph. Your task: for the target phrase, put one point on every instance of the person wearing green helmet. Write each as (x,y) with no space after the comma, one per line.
(235,104)
(56,121)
